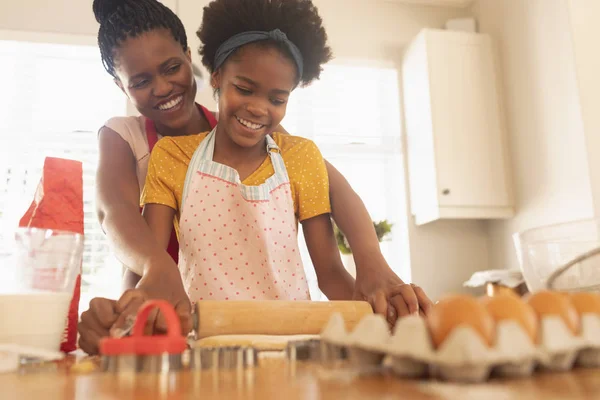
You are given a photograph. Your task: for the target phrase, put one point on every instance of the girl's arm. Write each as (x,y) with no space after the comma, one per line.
(353,219)
(160,221)
(375,280)
(334,281)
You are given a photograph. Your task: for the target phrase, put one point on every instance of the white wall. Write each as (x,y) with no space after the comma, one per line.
(57,16)
(545,126)
(585,29)
(442,254)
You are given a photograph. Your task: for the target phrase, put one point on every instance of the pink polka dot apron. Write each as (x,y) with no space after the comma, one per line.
(238,242)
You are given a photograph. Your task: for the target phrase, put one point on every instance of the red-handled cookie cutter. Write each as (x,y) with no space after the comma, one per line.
(157,353)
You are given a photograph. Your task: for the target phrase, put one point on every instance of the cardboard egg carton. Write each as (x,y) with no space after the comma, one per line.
(464,356)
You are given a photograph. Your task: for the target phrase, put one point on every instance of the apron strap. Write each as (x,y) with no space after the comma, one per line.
(205,152)
(199,155)
(210,117)
(276,159)
(151,134)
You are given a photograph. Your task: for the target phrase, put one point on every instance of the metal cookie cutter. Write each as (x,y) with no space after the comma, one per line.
(139,353)
(303,350)
(333,354)
(218,358)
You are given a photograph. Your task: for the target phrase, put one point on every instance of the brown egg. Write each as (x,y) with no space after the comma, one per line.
(460,310)
(548,303)
(510,307)
(586,302)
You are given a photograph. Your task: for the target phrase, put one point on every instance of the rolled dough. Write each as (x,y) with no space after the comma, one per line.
(260,342)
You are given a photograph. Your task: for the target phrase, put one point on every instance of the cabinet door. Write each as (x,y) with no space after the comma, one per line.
(467,126)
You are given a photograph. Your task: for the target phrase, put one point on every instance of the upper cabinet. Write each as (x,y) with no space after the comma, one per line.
(457,150)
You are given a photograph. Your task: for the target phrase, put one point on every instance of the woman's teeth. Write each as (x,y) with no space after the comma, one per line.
(249,124)
(170,104)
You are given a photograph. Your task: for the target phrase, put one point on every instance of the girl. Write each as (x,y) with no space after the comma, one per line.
(144,47)
(238,191)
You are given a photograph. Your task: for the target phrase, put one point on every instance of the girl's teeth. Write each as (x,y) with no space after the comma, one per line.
(170,104)
(250,124)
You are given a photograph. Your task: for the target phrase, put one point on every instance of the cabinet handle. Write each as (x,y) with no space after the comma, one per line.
(446,192)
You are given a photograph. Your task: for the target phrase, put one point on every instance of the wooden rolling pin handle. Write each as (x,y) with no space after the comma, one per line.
(275,317)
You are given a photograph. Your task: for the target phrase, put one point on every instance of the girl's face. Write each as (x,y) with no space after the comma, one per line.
(156,74)
(254,86)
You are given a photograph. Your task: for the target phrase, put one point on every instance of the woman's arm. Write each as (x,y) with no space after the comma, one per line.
(130,280)
(334,281)
(118,210)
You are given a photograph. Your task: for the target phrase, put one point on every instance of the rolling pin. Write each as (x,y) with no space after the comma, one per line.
(276,317)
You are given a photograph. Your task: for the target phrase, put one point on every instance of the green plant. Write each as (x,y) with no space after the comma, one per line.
(382,229)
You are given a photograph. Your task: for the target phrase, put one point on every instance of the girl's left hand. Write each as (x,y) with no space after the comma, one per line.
(389,296)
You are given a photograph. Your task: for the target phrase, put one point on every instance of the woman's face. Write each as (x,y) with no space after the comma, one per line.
(156,74)
(254,86)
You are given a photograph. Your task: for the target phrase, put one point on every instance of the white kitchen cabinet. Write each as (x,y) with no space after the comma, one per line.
(457,151)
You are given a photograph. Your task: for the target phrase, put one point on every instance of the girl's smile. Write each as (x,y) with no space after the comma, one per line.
(254,86)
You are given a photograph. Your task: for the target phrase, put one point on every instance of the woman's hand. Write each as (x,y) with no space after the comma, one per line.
(162,287)
(95,323)
(161,279)
(107,317)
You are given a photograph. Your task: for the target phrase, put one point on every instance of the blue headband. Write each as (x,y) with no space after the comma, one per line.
(244,38)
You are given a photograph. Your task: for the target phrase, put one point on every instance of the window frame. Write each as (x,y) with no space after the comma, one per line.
(53,38)
(390,147)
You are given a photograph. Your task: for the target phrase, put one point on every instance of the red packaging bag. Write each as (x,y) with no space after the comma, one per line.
(58,205)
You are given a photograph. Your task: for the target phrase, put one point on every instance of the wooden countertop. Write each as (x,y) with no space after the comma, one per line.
(279,381)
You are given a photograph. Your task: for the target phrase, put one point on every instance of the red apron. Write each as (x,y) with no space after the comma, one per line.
(151,134)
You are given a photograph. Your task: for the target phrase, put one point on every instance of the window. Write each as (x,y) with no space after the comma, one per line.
(353,114)
(58,95)
(55,97)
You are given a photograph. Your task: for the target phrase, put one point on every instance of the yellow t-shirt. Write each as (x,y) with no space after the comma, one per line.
(304,163)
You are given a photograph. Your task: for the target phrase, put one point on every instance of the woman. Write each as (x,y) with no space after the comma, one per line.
(144,47)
